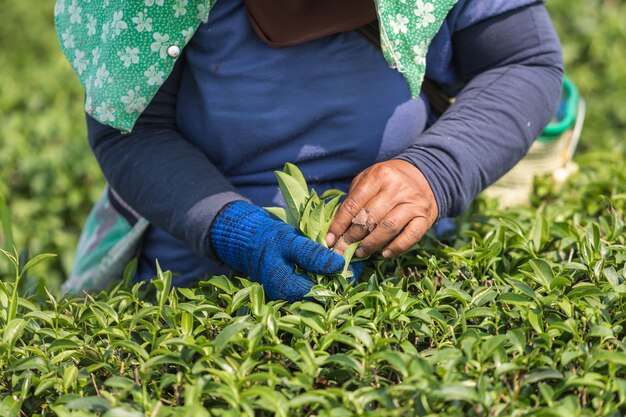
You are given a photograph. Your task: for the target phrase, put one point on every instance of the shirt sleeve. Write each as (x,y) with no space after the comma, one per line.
(467,13)
(511,65)
(159,174)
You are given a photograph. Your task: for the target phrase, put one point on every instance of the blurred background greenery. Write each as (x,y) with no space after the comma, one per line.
(50,178)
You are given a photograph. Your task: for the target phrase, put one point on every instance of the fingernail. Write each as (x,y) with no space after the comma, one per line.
(330,239)
(386,253)
(360,253)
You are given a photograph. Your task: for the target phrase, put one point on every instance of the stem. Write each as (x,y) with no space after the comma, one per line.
(13,303)
(136,375)
(95,384)
(157,408)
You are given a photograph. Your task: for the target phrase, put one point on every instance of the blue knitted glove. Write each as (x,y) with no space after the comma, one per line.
(248,240)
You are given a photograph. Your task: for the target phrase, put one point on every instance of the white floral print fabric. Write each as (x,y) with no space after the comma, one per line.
(122,51)
(407,28)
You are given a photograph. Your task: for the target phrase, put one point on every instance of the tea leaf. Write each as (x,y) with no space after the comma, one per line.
(457,392)
(10,407)
(542,272)
(315,224)
(163,284)
(279,212)
(295,197)
(165,360)
(348,253)
(12,257)
(122,412)
(37,260)
(13,331)
(542,375)
(618,358)
(69,377)
(332,194)
(295,173)
(27,363)
(133,347)
(228,333)
(89,403)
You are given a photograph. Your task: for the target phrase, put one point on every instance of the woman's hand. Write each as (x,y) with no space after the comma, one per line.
(390,205)
(248,240)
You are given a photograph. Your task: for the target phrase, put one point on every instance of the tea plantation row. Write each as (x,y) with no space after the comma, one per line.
(522,314)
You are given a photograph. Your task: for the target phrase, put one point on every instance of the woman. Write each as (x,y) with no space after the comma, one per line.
(264,83)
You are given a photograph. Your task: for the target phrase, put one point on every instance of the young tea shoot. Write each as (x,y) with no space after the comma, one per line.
(309,212)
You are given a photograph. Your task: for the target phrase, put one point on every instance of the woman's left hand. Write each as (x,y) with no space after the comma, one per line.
(390,205)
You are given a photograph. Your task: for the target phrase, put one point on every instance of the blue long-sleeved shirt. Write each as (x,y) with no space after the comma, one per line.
(234,110)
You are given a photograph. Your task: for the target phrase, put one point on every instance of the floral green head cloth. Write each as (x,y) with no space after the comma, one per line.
(122,51)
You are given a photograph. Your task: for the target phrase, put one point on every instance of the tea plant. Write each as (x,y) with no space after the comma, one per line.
(522,315)
(308,212)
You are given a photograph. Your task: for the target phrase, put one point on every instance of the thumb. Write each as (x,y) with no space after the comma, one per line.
(315,258)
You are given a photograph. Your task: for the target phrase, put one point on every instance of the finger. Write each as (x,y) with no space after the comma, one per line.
(412,233)
(378,208)
(388,228)
(285,284)
(356,232)
(313,257)
(348,210)
(331,238)
(355,182)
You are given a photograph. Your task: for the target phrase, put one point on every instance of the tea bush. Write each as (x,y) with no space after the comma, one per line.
(50,178)
(522,314)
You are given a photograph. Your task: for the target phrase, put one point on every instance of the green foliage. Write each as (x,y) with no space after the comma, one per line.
(309,213)
(47,174)
(50,179)
(593,34)
(522,315)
